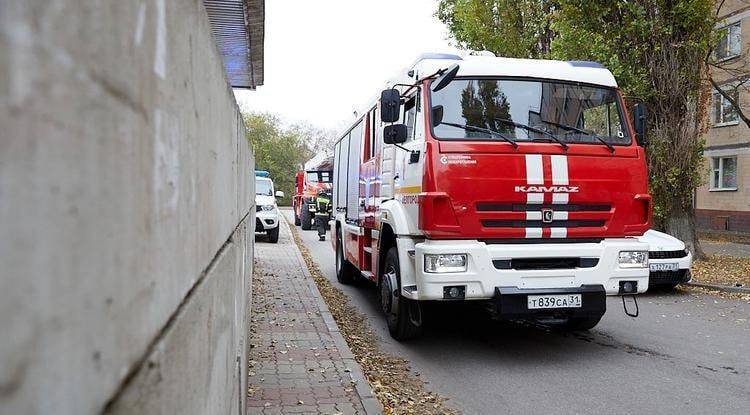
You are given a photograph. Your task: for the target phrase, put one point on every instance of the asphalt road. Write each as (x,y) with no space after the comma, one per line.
(685,353)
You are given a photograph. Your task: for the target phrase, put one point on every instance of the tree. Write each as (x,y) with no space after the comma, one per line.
(655,48)
(277,150)
(517,28)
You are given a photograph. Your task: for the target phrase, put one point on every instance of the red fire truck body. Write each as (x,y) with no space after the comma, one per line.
(520,183)
(311,179)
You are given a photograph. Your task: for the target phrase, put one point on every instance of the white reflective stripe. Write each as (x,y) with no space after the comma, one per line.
(534,198)
(533,232)
(559,170)
(534,170)
(559,215)
(533,215)
(559,198)
(558,232)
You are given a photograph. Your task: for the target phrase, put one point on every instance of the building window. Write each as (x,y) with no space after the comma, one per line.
(730,42)
(724,173)
(722,111)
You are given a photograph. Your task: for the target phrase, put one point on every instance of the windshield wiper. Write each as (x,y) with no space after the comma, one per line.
(481,130)
(533,129)
(584,132)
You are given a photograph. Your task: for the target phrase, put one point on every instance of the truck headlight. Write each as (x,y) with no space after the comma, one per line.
(633,259)
(441,263)
(267,207)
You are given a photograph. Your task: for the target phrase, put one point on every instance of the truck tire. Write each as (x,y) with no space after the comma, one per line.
(273,235)
(404,316)
(305,217)
(345,271)
(579,323)
(296,216)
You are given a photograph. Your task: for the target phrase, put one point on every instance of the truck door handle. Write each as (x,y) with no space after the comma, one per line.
(414,157)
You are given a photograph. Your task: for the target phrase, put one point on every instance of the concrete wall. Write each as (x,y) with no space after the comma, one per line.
(126,211)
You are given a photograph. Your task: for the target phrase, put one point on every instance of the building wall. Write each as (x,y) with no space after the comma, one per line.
(126,208)
(729,209)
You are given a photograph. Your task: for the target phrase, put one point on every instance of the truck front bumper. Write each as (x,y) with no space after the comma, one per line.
(511,302)
(491,266)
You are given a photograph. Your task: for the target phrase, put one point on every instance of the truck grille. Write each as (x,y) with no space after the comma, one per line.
(667,254)
(518,207)
(504,223)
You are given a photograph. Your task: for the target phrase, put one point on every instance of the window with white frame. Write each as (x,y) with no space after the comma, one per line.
(724,173)
(722,111)
(730,42)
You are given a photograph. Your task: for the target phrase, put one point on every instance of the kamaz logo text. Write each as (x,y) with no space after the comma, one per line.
(547,189)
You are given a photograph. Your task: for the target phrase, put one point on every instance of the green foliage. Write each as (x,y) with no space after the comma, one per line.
(515,28)
(279,151)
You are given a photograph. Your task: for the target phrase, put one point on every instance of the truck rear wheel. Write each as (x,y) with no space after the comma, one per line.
(305,217)
(404,316)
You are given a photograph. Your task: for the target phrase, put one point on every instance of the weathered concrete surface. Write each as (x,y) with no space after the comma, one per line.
(123,172)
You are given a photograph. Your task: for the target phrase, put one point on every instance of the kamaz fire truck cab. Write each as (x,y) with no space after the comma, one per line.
(516,182)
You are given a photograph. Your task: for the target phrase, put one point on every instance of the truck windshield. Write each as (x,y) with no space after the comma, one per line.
(528,110)
(323,176)
(263,187)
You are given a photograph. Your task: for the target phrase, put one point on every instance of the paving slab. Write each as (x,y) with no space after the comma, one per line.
(299,362)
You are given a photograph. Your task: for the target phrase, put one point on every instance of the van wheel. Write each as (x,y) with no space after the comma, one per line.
(404,316)
(344,269)
(273,235)
(305,217)
(579,323)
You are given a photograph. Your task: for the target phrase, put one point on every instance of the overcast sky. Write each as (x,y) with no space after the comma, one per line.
(325,58)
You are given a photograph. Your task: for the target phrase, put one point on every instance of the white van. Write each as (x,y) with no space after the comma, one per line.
(266,211)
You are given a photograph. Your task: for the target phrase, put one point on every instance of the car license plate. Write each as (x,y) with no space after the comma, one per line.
(554,301)
(670,266)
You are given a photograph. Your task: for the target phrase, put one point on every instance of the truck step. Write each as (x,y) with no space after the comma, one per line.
(369,275)
(368,249)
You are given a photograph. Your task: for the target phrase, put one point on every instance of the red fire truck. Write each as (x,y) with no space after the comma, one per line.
(518,183)
(312,178)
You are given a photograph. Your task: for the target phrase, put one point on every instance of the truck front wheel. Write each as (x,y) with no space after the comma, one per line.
(305,217)
(404,316)
(344,269)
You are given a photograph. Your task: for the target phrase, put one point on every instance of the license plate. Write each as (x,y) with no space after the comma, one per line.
(671,266)
(554,301)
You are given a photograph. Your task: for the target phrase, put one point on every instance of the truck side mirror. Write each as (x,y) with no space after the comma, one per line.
(437,115)
(279,194)
(394,134)
(390,105)
(639,123)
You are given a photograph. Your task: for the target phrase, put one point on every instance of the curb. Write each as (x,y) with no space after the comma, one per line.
(370,403)
(724,288)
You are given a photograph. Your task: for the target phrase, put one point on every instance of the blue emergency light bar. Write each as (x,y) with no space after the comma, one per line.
(261,173)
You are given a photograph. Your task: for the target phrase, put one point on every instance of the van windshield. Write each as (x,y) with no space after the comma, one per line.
(263,187)
(528,110)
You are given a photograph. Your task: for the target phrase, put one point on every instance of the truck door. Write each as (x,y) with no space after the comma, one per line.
(409,165)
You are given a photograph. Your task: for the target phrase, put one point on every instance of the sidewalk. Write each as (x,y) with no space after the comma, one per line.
(299,362)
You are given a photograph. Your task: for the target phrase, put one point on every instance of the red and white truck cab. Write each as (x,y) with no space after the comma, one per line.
(516,182)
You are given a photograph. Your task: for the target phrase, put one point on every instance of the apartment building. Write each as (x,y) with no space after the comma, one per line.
(723,202)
